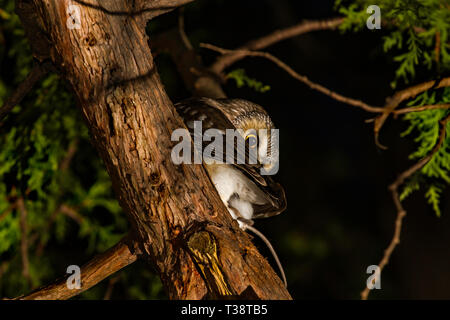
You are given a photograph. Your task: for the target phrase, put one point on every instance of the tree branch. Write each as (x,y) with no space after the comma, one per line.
(97,269)
(295,75)
(277,36)
(304,27)
(393,102)
(401,212)
(181,29)
(422,108)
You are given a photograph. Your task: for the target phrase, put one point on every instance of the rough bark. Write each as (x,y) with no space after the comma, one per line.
(179,223)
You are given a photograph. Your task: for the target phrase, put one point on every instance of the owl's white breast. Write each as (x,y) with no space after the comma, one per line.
(228,180)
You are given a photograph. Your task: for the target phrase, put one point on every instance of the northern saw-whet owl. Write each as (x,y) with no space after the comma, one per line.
(246,192)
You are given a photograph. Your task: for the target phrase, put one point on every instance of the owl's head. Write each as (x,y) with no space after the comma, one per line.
(261,136)
(253,122)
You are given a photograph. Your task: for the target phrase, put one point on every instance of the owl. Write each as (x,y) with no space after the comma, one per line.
(245,187)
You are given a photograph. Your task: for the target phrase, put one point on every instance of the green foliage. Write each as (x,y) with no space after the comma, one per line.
(424,125)
(433,194)
(411,29)
(416,34)
(242,79)
(409,188)
(46,159)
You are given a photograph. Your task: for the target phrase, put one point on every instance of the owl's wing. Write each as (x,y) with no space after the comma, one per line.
(213,118)
(277,200)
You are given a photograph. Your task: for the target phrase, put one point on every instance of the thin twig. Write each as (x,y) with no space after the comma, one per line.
(295,75)
(70,153)
(393,102)
(72,213)
(21,91)
(303,27)
(401,212)
(422,108)
(279,35)
(182,30)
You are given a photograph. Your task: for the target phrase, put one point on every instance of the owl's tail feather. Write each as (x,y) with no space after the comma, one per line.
(269,245)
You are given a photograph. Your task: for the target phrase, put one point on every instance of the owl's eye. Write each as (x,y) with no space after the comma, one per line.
(252,140)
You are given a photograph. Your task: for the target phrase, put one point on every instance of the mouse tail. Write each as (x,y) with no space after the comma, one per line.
(269,245)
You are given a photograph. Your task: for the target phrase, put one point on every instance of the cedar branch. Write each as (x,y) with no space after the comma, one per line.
(401,212)
(394,101)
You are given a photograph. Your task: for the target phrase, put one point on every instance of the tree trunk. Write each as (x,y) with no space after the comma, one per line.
(178,221)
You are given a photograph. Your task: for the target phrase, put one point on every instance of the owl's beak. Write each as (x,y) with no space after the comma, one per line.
(269,169)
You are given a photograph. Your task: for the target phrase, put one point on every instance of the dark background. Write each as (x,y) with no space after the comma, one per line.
(340,215)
